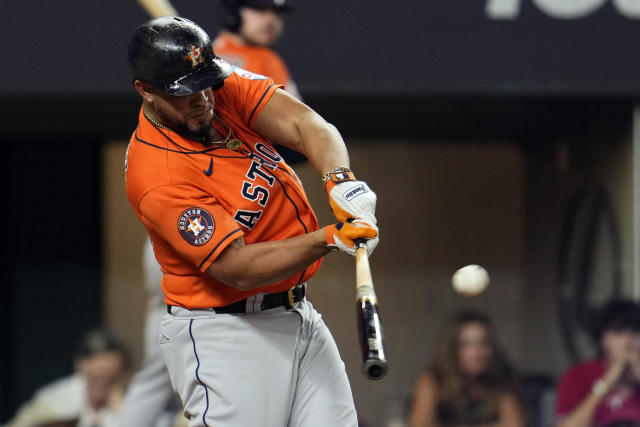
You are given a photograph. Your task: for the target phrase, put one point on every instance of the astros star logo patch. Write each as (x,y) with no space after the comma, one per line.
(195,56)
(196,226)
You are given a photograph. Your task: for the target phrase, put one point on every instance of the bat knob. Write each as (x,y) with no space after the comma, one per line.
(375,370)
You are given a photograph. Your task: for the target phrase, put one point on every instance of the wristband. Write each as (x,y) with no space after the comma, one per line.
(338,175)
(600,388)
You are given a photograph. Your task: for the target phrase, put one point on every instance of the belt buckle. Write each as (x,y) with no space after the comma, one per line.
(290,298)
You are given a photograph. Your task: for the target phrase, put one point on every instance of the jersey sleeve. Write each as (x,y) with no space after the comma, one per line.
(252,92)
(192,222)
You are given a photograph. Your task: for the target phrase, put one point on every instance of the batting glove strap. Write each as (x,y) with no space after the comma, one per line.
(342,236)
(352,199)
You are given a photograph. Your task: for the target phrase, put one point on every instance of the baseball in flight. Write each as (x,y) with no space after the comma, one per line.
(470,280)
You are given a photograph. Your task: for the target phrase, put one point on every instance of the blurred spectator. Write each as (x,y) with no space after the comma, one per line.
(251,27)
(605,392)
(90,397)
(150,400)
(469,382)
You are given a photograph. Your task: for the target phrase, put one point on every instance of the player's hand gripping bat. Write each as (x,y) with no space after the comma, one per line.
(374,361)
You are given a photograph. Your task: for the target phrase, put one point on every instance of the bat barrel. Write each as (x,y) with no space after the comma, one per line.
(374,360)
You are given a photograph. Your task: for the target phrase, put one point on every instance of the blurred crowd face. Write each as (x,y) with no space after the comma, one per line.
(475,349)
(618,345)
(103,373)
(260,26)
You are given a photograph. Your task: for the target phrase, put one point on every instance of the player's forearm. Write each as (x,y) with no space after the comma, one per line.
(260,264)
(322,144)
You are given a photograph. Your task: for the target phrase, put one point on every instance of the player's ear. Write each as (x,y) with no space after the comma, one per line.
(143,90)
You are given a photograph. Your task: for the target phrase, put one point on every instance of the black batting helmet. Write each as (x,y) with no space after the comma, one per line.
(175,55)
(232,20)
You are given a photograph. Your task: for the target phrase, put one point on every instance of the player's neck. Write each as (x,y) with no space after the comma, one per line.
(215,138)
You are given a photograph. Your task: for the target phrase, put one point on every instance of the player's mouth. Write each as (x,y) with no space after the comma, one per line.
(203,114)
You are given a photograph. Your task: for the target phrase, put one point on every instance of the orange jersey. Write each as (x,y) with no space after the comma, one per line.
(194,200)
(257,59)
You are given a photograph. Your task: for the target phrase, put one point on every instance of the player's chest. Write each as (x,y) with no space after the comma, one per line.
(255,187)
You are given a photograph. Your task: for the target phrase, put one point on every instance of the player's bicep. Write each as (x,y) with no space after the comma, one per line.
(282,119)
(192,223)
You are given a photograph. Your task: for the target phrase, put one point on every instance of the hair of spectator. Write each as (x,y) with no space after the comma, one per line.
(616,315)
(98,341)
(445,368)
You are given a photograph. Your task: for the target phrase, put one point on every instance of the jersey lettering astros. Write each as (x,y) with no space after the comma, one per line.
(195,200)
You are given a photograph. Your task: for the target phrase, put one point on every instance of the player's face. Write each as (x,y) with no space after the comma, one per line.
(190,115)
(475,349)
(260,26)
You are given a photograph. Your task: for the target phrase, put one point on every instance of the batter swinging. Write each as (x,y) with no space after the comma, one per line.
(235,235)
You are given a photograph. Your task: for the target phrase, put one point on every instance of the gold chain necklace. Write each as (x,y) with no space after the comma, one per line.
(231,144)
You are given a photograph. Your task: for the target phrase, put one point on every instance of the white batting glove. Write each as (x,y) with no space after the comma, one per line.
(343,236)
(349,198)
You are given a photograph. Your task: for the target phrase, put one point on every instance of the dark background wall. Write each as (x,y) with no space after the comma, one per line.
(78,47)
(51,257)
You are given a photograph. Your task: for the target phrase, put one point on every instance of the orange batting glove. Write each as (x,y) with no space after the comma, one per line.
(343,235)
(348,197)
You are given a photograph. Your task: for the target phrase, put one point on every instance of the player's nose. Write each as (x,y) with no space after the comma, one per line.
(200,98)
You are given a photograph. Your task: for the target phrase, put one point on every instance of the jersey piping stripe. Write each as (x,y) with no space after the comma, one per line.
(306,231)
(224,239)
(205,151)
(259,102)
(206,391)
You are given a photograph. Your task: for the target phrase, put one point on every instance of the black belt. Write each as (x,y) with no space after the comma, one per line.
(279,299)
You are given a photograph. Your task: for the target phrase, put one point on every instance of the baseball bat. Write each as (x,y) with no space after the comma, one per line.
(374,360)
(158,8)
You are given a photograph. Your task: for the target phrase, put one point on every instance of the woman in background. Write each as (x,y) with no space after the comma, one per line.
(469,382)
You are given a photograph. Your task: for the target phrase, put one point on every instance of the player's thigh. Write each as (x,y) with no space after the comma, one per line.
(323,394)
(225,364)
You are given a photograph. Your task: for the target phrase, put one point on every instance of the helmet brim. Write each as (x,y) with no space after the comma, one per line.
(211,75)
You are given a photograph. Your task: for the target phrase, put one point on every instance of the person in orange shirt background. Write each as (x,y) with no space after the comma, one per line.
(251,27)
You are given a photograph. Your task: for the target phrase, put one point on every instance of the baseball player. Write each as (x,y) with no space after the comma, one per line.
(235,235)
(250,28)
